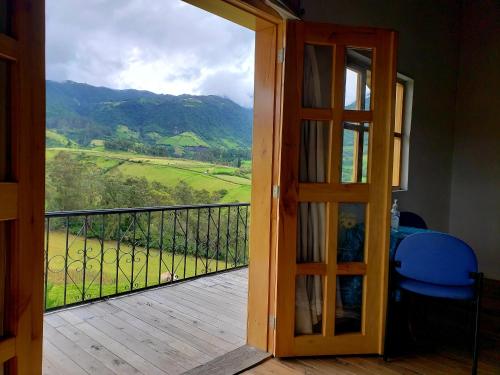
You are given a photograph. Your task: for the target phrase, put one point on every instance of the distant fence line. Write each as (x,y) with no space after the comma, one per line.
(95,254)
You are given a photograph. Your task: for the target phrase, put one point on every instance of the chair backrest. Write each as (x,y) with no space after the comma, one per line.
(436,258)
(411,219)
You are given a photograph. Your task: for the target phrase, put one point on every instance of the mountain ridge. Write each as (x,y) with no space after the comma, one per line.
(84,113)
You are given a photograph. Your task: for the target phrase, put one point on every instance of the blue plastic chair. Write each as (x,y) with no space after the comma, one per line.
(436,265)
(411,219)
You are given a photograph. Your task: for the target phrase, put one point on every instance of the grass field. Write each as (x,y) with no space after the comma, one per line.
(116,276)
(169,171)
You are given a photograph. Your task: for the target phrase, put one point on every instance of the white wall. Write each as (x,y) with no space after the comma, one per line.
(428,53)
(475,187)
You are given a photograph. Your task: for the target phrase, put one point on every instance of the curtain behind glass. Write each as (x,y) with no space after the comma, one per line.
(311,216)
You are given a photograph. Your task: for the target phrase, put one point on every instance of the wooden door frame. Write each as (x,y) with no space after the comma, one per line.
(23,209)
(269,30)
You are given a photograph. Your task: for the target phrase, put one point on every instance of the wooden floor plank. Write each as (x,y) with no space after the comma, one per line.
(178,327)
(233,362)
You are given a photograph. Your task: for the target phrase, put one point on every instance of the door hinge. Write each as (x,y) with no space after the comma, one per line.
(272,322)
(281,55)
(276,191)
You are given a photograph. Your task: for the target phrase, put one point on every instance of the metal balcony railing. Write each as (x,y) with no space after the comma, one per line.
(96,254)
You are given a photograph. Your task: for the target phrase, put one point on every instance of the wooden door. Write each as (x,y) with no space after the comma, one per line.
(22,163)
(335,186)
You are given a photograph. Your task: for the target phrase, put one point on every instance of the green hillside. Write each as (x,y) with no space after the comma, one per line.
(186,139)
(167,171)
(82,113)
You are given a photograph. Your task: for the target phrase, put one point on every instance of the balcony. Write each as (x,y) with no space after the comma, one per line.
(146,290)
(166,330)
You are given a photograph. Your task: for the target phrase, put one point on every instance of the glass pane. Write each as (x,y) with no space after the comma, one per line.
(311,232)
(351,232)
(317,85)
(308,304)
(396,165)
(5,16)
(4,125)
(398,126)
(358,79)
(3,272)
(314,151)
(355,143)
(349,304)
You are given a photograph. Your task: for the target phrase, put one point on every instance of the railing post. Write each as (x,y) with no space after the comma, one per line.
(103,234)
(208,239)
(118,241)
(186,231)
(237,238)
(66,261)
(134,222)
(218,243)
(85,222)
(161,246)
(228,232)
(46,263)
(172,270)
(197,244)
(148,237)
(245,248)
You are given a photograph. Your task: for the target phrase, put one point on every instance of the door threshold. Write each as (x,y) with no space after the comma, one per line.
(234,362)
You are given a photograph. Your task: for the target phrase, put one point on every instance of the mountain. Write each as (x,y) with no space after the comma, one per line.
(87,114)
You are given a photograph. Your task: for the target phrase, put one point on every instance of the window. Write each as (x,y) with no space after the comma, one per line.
(402,108)
(355,135)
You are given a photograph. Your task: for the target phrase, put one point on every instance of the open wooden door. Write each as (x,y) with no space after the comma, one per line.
(22,163)
(334,190)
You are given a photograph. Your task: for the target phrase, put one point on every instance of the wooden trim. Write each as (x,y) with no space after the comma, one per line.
(376,192)
(289,177)
(328,34)
(252,14)
(351,268)
(261,200)
(318,114)
(8,48)
(311,269)
(8,193)
(309,192)
(357,116)
(24,310)
(7,349)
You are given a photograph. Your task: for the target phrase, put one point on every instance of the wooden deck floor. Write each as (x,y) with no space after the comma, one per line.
(173,329)
(161,331)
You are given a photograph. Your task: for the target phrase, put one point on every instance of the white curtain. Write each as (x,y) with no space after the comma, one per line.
(311,216)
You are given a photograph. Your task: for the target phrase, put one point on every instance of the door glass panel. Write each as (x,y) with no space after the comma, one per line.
(398,126)
(4,124)
(308,304)
(317,81)
(351,232)
(5,16)
(314,151)
(311,232)
(355,142)
(349,304)
(3,271)
(358,79)
(396,166)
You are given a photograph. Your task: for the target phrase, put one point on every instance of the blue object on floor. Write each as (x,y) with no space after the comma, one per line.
(436,265)
(411,219)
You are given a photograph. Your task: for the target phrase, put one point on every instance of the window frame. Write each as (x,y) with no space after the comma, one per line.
(404,134)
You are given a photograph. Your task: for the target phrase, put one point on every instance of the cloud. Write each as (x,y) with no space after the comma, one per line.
(165,46)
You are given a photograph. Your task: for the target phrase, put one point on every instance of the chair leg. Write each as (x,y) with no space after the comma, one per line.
(477,308)
(389,315)
(388,328)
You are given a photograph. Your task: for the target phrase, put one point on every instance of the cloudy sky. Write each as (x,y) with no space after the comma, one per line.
(164,46)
